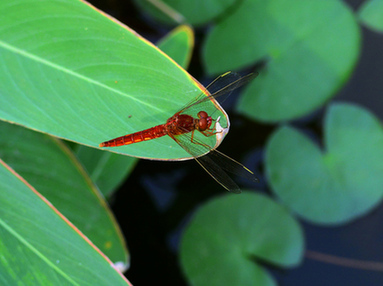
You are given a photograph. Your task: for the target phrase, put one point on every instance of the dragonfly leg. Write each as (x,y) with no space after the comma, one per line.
(209,133)
(199,143)
(192,136)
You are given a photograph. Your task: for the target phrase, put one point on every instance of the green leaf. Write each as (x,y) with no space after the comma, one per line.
(107,170)
(230,234)
(335,186)
(39,246)
(50,167)
(178,45)
(72,72)
(305,62)
(371,14)
(196,13)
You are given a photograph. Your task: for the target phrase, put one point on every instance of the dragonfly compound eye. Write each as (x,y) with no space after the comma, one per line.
(202,114)
(202,124)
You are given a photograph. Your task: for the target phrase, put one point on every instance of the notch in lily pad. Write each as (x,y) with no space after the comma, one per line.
(335,185)
(230,236)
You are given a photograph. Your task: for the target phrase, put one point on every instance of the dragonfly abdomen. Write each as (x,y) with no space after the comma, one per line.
(148,134)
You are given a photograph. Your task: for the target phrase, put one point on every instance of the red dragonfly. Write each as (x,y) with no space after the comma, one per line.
(183,124)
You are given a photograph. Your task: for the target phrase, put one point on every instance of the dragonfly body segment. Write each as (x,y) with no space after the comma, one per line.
(183,124)
(176,125)
(148,134)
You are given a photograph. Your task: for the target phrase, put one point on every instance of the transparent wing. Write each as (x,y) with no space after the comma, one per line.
(221,86)
(218,174)
(214,162)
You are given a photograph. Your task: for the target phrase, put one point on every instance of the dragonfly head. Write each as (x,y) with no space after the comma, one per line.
(204,121)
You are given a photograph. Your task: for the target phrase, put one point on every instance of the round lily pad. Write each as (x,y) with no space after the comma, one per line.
(336,185)
(230,236)
(309,49)
(371,14)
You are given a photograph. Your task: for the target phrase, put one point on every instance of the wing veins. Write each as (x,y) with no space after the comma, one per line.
(227,89)
(215,163)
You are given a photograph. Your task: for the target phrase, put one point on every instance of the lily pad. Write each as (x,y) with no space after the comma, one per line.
(230,236)
(306,60)
(339,184)
(371,14)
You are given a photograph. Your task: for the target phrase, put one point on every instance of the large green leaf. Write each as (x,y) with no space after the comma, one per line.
(306,59)
(70,71)
(39,246)
(230,234)
(371,14)
(52,169)
(107,169)
(339,184)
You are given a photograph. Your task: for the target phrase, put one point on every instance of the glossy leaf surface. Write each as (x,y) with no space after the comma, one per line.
(86,78)
(107,169)
(39,246)
(50,167)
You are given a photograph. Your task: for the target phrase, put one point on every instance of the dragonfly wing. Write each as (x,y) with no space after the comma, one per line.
(232,166)
(218,164)
(222,81)
(214,162)
(218,173)
(222,85)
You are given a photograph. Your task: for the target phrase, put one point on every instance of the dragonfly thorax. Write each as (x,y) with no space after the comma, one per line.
(180,124)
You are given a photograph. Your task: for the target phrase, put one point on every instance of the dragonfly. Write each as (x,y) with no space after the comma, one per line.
(183,125)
